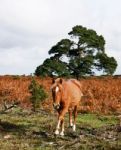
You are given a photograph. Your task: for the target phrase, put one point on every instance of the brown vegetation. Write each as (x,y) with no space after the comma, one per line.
(101,94)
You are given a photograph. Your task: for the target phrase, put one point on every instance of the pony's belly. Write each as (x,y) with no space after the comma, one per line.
(73,103)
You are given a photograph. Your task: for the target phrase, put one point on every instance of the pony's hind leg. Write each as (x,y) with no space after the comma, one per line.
(70,118)
(75,116)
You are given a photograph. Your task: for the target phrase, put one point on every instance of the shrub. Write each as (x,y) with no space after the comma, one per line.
(38,94)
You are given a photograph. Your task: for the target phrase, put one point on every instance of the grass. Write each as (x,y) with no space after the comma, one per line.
(23,130)
(97,121)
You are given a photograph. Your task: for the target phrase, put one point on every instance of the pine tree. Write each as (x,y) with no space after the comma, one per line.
(83,53)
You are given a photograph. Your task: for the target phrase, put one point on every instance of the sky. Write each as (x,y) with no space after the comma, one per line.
(29,28)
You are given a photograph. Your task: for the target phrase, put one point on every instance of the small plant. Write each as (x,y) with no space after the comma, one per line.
(37,94)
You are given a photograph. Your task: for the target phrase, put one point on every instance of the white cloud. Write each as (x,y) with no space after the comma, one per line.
(29,28)
(21,61)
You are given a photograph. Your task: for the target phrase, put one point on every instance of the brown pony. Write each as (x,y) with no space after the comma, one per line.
(66,97)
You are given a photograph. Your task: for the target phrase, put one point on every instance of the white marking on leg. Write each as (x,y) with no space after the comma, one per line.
(57,128)
(58,125)
(71,124)
(74,127)
(62,132)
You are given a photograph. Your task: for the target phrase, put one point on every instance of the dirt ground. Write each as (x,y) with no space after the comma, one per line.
(24,130)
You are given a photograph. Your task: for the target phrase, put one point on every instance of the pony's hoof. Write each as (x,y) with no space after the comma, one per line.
(56,132)
(62,134)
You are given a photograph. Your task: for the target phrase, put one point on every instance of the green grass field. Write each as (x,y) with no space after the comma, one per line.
(22,130)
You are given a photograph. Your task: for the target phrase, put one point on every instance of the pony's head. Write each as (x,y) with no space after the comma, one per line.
(57,92)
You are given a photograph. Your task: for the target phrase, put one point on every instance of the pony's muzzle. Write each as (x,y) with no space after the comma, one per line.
(56,106)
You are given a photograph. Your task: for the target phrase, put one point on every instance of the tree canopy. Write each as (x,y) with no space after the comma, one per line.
(83,53)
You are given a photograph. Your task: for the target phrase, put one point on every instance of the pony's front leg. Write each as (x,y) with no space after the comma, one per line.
(58,127)
(61,117)
(61,123)
(62,127)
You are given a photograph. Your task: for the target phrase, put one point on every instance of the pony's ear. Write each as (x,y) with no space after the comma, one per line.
(53,81)
(61,80)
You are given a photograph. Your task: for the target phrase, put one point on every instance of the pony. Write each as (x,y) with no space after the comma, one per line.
(66,96)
